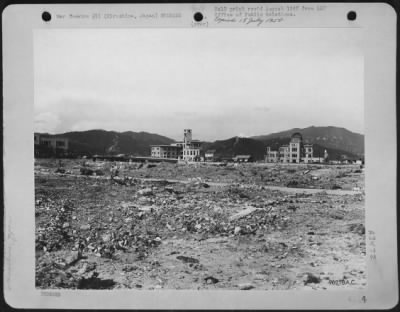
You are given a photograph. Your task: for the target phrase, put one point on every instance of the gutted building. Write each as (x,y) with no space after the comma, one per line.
(54,142)
(294,152)
(272,156)
(191,148)
(165,151)
(46,145)
(188,149)
(242,158)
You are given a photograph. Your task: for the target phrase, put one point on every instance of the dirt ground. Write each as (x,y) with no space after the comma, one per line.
(199,226)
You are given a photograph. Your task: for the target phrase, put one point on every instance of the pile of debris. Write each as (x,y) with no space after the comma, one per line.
(54,234)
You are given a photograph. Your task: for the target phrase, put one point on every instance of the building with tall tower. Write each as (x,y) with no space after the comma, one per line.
(188,149)
(191,148)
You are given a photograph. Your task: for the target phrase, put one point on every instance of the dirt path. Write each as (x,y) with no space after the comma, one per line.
(270,187)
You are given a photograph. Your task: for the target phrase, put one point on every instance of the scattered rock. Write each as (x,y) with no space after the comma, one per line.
(106,238)
(211,280)
(237,230)
(95,283)
(187,259)
(129,268)
(99,172)
(242,213)
(73,257)
(292,183)
(86,171)
(145,192)
(311,278)
(357,228)
(337,215)
(143,200)
(141,218)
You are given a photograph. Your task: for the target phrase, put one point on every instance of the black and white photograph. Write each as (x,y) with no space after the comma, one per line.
(199,159)
(200,156)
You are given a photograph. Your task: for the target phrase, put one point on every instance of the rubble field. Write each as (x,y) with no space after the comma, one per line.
(199,226)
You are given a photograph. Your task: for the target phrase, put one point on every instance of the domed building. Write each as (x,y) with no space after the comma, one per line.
(296,138)
(295,148)
(294,152)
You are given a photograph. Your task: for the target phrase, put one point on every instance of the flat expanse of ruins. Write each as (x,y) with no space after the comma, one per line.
(253,226)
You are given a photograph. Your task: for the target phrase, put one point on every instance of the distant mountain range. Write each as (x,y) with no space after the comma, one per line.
(327,137)
(236,146)
(337,141)
(111,142)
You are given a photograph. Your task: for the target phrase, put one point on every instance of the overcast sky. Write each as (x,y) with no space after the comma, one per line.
(218,82)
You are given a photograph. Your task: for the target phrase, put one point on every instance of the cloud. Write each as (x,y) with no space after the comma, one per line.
(163,85)
(46,121)
(72,113)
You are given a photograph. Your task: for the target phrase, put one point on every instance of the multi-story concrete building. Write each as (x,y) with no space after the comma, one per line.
(242,158)
(308,153)
(165,151)
(284,153)
(46,145)
(294,152)
(54,142)
(188,149)
(295,148)
(272,156)
(191,148)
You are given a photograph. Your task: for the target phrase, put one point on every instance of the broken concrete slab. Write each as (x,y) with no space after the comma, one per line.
(242,213)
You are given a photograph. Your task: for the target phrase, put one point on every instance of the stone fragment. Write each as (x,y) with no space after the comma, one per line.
(85,227)
(245,286)
(146,208)
(211,280)
(129,268)
(310,278)
(73,257)
(143,200)
(106,237)
(186,259)
(242,213)
(82,270)
(145,192)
